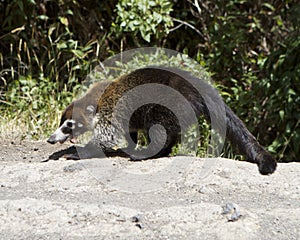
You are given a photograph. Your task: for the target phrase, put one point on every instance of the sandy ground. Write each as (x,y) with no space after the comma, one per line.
(168,198)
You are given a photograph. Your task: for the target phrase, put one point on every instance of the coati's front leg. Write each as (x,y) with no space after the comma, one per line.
(76,153)
(87,152)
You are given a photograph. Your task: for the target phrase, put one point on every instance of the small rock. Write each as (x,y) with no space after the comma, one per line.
(139,225)
(73,167)
(203,190)
(228,208)
(235,216)
(137,218)
(233,209)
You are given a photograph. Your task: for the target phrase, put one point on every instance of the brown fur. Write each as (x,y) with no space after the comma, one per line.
(109,134)
(79,109)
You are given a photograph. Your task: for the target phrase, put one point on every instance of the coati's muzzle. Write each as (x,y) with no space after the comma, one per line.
(58,136)
(66,131)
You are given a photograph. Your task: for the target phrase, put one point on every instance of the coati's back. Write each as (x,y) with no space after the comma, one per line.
(151,75)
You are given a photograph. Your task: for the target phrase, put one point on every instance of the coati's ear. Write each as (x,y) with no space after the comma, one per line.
(90,109)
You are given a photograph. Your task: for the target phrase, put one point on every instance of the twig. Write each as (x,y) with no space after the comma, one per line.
(175,28)
(188,25)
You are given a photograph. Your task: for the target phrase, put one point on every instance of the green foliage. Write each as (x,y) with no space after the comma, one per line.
(251,48)
(253,51)
(283,91)
(48,38)
(148,18)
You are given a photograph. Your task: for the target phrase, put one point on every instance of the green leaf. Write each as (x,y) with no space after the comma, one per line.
(69,12)
(20,4)
(281,114)
(268,5)
(62,45)
(78,53)
(146,37)
(43,17)
(291,92)
(64,21)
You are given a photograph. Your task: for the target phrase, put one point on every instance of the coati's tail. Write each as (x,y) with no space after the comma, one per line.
(238,135)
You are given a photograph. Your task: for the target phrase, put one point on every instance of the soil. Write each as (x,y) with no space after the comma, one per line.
(169,198)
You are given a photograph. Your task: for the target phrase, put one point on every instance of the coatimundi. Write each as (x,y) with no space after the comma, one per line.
(110,110)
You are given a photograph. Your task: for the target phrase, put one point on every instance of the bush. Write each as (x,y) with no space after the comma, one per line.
(146,18)
(250,47)
(283,91)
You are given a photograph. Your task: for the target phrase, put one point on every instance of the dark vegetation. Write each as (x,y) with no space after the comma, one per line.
(252,49)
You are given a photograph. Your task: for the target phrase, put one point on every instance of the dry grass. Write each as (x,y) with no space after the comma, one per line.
(13,130)
(20,128)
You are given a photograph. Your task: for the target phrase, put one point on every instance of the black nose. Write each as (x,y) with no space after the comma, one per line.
(51,140)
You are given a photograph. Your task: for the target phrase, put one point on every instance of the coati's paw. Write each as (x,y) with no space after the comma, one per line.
(135,158)
(71,156)
(267,164)
(60,154)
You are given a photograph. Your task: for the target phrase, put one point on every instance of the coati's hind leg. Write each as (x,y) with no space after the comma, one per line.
(160,144)
(162,131)
(168,120)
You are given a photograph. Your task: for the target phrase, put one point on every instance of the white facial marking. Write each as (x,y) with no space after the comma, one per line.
(79,125)
(59,136)
(90,108)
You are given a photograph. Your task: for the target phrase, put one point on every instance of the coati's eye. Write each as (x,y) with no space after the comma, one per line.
(70,124)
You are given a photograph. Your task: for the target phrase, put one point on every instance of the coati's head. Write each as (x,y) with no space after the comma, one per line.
(76,119)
